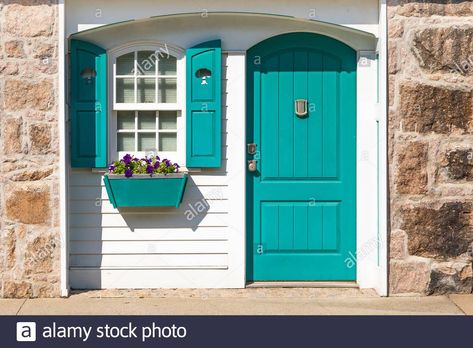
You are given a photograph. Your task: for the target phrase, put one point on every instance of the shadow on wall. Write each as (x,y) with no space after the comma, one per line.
(143,239)
(111,243)
(191,212)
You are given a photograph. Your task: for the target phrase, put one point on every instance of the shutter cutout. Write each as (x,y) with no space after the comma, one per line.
(88,106)
(204,115)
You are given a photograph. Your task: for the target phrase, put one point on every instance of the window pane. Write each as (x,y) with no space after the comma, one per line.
(147,120)
(126,142)
(146,141)
(167,65)
(167,142)
(126,120)
(125,64)
(125,91)
(167,120)
(146,63)
(167,90)
(146,90)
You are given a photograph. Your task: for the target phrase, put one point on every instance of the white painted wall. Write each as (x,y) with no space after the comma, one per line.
(168,247)
(160,248)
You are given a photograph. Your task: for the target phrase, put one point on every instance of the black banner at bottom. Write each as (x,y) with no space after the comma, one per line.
(234,331)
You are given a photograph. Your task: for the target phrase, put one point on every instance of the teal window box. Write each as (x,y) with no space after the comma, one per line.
(145,191)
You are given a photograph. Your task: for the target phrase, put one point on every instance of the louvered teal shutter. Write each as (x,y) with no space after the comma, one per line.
(203,115)
(88,105)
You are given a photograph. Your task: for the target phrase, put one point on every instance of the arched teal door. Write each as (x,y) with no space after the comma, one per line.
(301,197)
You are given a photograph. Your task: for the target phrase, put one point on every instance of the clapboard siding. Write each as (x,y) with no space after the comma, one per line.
(105,207)
(192,192)
(123,278)
(151,234)
(143,220)
(149,260)
(147,247)
(106,243)
(210,177)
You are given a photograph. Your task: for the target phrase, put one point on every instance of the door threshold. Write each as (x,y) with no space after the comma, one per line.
(302,284)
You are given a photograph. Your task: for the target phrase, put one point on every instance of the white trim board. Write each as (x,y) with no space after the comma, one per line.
(372,230)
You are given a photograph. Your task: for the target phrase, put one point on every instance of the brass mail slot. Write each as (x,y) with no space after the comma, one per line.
(300,106)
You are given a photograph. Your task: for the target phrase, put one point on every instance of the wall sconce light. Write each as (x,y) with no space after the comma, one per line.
(88,74)
(203,73)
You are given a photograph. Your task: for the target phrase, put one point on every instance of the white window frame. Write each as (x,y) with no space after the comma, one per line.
(180,105)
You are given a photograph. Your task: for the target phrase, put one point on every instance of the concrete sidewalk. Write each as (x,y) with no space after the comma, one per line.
(239,302)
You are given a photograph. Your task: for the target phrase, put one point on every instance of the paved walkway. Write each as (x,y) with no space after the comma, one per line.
(260,301)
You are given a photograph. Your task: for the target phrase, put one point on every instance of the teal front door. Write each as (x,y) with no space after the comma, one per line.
(301,192)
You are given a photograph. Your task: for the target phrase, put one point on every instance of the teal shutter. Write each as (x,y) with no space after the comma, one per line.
(203,118)
(88,105)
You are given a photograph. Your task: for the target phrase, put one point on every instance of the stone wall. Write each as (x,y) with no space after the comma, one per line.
(431,145)
(29,149)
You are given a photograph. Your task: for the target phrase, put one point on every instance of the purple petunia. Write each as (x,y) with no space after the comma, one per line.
(127,159)
(130,165)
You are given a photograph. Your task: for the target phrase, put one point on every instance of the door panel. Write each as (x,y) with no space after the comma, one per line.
(298,227)
(301,200)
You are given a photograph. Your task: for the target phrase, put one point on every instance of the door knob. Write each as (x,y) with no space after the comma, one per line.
(252,165)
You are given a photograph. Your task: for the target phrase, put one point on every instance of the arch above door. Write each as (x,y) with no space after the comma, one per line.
(237,30)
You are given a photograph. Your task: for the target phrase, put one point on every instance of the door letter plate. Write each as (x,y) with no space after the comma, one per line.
(300,106)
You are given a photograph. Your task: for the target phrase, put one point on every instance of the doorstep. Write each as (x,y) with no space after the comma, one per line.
(309,292)
(325,285)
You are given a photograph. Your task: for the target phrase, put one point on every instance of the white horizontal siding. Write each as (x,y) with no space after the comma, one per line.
(207,178)
(143,220)
(152,238)
(192,192)
(147,247)
(96,278)
(105,207)
(157,247)
(156,234)
(149,260)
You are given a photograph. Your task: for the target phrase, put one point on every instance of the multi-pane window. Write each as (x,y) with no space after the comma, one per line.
(146,108)
(144,77)
(145,131)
